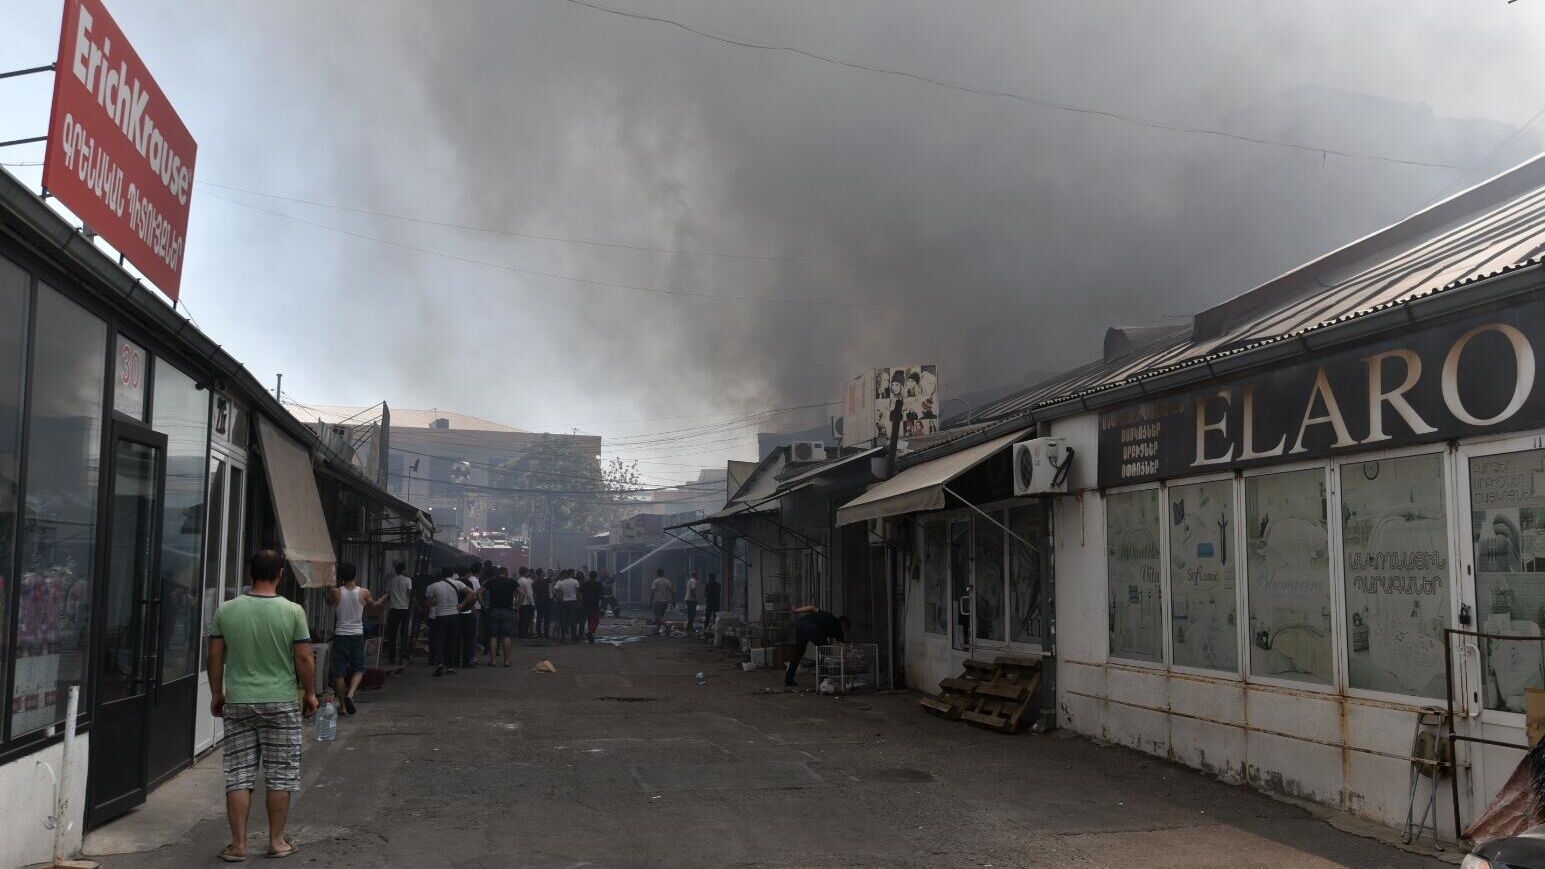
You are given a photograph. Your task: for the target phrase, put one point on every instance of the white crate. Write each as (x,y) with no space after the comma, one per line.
(847,667)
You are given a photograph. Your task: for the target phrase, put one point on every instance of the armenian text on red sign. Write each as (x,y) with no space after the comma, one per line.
(118,155)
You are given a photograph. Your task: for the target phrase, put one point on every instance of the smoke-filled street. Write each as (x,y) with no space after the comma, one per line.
(621,759)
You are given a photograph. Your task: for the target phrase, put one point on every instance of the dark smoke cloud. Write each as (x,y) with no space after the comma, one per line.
(988,236)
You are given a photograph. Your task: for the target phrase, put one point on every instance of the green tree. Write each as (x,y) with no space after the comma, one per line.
(554,487)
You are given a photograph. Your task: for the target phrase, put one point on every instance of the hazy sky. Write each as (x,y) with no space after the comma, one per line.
(856,218)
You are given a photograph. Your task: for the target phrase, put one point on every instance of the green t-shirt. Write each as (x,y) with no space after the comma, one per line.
(260,633)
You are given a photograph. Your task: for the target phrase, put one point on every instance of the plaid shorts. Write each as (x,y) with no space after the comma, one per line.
(267,732)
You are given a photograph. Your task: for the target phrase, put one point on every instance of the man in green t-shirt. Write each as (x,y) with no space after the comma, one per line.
(259,649)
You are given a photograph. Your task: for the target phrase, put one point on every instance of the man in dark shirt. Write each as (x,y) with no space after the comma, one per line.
(591,593)
(814,626)
(499,603)
(711,600)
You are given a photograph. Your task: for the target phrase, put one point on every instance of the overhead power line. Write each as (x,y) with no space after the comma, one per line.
(492,231)
(718,297)
(1038,102)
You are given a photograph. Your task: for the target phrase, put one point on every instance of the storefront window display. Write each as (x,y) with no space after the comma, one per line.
(1287,565)
(988,582)
(13,358)
(936,553)
(181,412)
(64,434)
(1028,524)
(1396,556)
(1204,621)
(1507,529)
(1132,555)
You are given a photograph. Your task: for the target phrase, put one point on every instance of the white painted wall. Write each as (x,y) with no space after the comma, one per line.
(27,799)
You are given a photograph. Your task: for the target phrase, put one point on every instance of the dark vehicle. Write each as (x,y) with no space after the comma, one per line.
(1523,851)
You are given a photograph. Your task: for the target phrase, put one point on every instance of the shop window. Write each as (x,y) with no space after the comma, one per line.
(13,349)
(64,438)
(936,566)
(1132,559)
(1507,527)
(1287,567)
(181,412)
(1028,524)
(1395,549)
(988,579)
(1204,606)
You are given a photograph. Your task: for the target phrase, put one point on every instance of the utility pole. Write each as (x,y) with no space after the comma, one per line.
(890,454)
(279,386)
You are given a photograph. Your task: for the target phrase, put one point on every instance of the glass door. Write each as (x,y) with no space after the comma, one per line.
(1502,545)
(125,663)
(962,624)
(224,564)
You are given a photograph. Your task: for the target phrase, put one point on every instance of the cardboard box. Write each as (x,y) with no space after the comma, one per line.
(1534,714)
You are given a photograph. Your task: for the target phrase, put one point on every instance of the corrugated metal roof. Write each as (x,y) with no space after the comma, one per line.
(1487,230)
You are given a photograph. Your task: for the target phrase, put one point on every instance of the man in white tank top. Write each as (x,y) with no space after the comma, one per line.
(348,652)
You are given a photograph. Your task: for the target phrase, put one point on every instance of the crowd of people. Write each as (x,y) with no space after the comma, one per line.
(479,607)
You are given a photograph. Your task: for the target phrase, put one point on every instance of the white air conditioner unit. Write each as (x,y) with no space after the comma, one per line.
(808,451)
(1041,466)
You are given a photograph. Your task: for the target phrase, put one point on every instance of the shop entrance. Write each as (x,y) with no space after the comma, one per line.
(224,565)
(1502,546)
(127,610)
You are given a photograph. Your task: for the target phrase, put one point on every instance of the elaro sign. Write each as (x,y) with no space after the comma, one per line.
(118,155)
(1467,376)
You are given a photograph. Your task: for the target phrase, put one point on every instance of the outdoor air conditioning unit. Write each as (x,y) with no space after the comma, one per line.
(1041,466)
(808,451)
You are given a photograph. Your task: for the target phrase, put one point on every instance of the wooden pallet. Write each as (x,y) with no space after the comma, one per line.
(1000,702)
(954,696)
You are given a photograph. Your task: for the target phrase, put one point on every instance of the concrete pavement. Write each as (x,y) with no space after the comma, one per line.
(621,759)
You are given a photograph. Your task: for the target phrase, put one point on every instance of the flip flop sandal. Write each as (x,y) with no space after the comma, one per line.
(229,856)
(349,707)
(280,855)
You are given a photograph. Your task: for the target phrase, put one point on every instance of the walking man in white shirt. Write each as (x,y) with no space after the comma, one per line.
(567,593)
(526,601)
(399,596)
(348,652)
(444,601)
(662,596)
(694,596)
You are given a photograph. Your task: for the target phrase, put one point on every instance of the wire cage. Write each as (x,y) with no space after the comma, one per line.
(847,667)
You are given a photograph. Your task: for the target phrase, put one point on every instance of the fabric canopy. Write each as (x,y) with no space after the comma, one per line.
(920,487)
(297,503)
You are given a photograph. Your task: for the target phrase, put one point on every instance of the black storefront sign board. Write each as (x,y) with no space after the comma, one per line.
(1469,375)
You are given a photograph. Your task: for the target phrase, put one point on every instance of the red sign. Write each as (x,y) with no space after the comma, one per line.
(118,155)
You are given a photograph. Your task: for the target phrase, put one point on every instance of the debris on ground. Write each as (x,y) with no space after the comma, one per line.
(544,667)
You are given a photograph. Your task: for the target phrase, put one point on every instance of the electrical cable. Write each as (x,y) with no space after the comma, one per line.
(489,230)
(1038,102)
(720,297)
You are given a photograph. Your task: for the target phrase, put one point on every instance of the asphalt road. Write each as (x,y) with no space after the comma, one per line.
(621,759)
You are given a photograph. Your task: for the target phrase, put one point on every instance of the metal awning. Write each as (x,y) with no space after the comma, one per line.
(920,487)
(298,505)
(744,508)
(811,475)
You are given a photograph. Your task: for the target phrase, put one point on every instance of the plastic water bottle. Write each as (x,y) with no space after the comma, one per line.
(700,680)
(327,721)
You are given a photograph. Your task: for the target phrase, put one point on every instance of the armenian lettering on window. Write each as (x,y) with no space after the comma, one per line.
(1395,549)
(1132,548)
